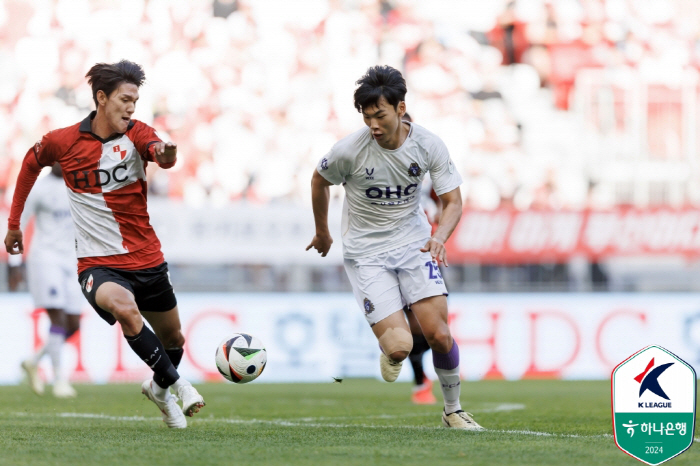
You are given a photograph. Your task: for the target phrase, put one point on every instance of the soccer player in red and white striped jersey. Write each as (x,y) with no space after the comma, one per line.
(121,268)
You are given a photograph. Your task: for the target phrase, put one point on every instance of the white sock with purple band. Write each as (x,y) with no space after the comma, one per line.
(54,344)
(447,370)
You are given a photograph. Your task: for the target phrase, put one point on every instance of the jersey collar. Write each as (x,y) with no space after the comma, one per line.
(86,127)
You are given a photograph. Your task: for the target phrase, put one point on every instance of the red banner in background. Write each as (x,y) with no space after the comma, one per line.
(508,236)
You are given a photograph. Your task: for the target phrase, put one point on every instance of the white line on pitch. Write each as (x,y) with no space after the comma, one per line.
(283,423)
(495,409)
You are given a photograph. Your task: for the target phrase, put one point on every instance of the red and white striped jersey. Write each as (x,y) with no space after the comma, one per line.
(106,180)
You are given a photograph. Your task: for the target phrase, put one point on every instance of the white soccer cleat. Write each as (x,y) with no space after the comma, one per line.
(390,369)
(32,372)
(172,414)
(460,420)
(192,401)
(62,389)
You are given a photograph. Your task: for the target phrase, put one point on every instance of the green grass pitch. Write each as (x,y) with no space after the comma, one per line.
(356,422)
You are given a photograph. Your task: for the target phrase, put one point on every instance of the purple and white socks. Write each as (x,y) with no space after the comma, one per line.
(447,370)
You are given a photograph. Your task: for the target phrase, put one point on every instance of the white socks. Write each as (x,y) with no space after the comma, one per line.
(160,392)
(180,383)
(40,354)
(53,346)
(163,393)
(450,386)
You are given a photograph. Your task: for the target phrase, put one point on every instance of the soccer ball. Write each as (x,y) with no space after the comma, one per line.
(241,358)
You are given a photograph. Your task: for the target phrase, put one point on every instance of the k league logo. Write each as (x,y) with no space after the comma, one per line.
(653,401)
(651,381)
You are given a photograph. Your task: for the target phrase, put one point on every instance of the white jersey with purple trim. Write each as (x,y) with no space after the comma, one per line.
(54,234)
(382,209)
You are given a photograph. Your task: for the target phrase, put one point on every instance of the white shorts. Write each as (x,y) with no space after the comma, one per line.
(54,285)
(385,283)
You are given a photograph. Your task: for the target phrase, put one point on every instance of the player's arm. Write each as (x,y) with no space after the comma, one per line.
(151,147)
(15,270)
(28,174)
(320,198)
(449,218)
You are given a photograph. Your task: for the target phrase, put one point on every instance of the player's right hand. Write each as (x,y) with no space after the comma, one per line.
(13,242)
(322,243)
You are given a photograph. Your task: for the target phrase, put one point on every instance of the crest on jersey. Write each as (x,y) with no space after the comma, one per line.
(117,150)
(369,307)
(324,164)
(414,170)
(88,284)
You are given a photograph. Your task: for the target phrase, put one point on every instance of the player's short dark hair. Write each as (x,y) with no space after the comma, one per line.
(380,81)
(106,77)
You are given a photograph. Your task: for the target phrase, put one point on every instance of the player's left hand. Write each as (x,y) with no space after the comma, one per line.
(437,250)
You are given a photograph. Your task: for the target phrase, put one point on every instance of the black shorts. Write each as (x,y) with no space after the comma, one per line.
(151,287)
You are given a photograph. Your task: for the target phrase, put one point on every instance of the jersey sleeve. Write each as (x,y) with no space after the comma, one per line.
(47,152)
(334,166)
(443,173)
(143,137)
(43,154)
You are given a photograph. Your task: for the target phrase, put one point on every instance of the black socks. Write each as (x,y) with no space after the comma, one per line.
(149,348)
(420,346)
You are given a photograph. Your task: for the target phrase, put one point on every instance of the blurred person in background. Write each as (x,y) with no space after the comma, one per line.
(51,276)
(121,268)
(390,257)
(509,35)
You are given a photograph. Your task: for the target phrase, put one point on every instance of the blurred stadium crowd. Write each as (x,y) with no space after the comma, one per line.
(255,92)
(544,104)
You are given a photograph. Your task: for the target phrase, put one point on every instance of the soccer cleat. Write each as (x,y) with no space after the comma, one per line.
(460,420)
(192,401)
(32,372)
(172,414)
(423,394)
(62,389)
(390,369)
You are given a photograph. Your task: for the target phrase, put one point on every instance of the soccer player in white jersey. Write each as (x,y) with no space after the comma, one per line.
(51,277)
(389,255)
(121,268)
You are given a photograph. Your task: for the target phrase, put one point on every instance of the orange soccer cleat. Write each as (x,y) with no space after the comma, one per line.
(423,394)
